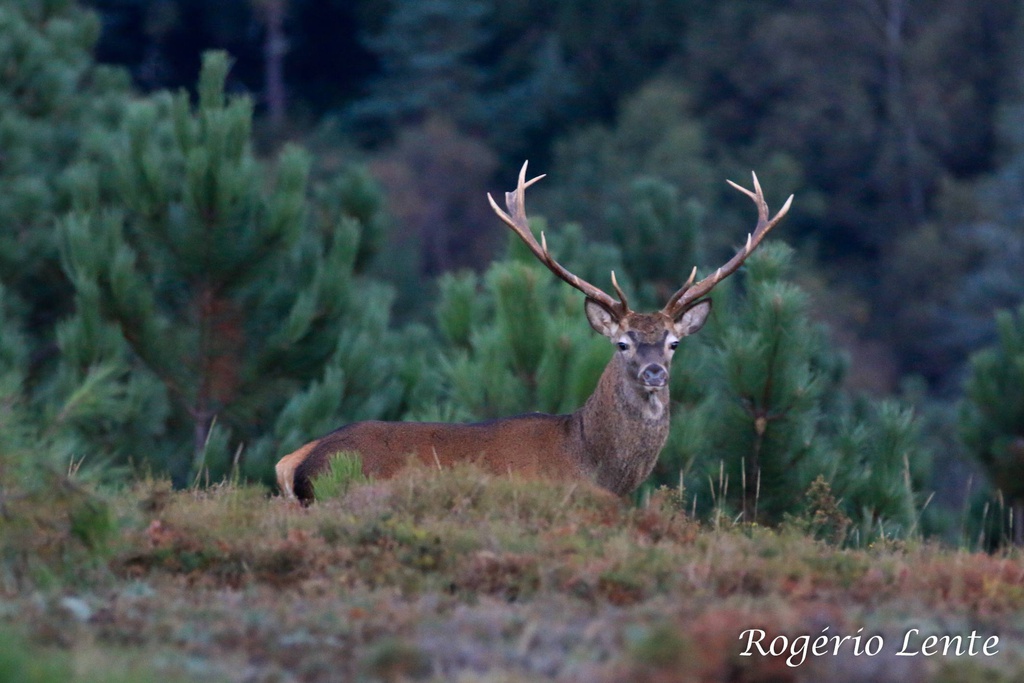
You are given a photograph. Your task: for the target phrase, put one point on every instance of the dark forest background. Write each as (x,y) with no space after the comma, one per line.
(896,123)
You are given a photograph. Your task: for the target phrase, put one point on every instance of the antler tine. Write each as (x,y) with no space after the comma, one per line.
(689,280)
(516,219)
(619,292)
(689,293)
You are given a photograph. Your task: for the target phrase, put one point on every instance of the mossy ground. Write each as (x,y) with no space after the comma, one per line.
(458,575)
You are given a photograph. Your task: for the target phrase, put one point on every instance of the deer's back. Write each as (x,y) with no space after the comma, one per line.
(532,445)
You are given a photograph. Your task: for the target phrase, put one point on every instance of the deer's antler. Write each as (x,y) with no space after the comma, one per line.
(690,293)
(515,218)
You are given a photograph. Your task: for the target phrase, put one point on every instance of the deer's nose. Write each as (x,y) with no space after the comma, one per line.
(654,375)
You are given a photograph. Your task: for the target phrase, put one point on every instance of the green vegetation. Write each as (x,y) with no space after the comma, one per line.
(218,280)
(524,331)
(345,470)
(992,416)
(59,111)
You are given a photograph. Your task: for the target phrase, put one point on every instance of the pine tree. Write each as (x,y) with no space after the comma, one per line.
(516,339)
(424,49)
(982,253)
(121,410)
(771,385)
(762,413)
(444,59)
(656,135)
(220,280)
(51,518)
(992,414)
(657,235)
(60,112)
(975,241)
(13,366)
(57,108)
(880,467)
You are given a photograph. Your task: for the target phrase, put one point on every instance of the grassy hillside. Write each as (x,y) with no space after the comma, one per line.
(467,577)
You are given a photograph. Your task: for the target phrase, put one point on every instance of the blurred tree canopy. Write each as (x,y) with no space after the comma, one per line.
(57,109)
(882,115)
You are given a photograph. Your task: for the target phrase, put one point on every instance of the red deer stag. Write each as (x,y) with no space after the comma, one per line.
(612,441)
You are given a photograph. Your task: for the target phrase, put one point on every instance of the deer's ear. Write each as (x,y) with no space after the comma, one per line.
(693,318)
(601,319)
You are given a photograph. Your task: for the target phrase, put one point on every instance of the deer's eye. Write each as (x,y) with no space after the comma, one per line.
(673,345)
(623,346)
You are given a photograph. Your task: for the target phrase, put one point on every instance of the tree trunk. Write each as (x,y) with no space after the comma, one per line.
(900,115)
(274,49)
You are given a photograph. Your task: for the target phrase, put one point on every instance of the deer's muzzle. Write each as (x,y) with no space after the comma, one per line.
(653,375)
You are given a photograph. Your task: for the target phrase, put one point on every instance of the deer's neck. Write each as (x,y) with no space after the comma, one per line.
(623,429)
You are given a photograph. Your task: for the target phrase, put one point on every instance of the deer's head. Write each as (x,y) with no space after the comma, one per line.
(645,342)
